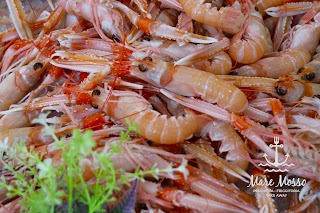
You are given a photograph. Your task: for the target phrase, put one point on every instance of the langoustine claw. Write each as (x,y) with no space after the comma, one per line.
(18,16)
(289,9)
(162,30)
(263,194)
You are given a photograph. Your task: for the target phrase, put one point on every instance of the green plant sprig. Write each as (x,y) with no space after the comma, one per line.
(44,186)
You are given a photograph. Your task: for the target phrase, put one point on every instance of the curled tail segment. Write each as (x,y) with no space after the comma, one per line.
(161,129)
(216,90)
(228,19)
(152,125)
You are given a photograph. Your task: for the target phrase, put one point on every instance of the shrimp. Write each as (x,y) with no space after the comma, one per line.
(291,91)
(193,53)
(305,35)
(228,19)
(192,201)
(287,62)
(16,51)
(51,151)
(111,20)
(308,189)
(17,119)
(80,62)
(232,143)
(153,126)
(286,89)
(262,5)
(263,195)
(250,44)
(250,130)
(162,30)
(219,64)
(208,189)
(52,20)
(282,28)
(17,84)
(18,17)
(188,81)
(12,34)
(211,158)
(173,4)
(198,182)
(29,135)
(289,9)
(311,71)
(311,13)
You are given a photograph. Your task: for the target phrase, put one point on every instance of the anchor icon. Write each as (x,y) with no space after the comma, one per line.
(276,162)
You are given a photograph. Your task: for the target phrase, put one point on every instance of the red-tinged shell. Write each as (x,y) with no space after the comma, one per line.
(193,175)
(239,123)
(20,43)
(94,121)
(144,24)
(120,66)
(276,107)
(83,98)
(146,94)
(168,194)
(69,89)
(83,75)
(56,72)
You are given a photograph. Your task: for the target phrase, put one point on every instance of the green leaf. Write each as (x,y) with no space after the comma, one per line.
(44,185)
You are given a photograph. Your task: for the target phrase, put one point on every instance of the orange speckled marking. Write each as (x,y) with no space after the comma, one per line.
(83,75)
(83,98)
(239,123)
(56,72)
(144,24)
(276,107)
(68,90)
(168,194)
(94,121)
(20,43)
(308,90)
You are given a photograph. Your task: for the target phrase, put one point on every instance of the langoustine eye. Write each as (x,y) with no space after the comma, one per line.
(143,67)
(96,92)
(281,90)
(37,65)
(309,76)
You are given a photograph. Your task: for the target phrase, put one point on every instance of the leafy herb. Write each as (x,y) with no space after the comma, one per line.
(45,186)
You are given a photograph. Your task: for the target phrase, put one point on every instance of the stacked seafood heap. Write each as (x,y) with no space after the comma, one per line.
(227,91)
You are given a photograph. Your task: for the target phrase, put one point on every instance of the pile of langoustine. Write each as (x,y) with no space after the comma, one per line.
(214,83)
